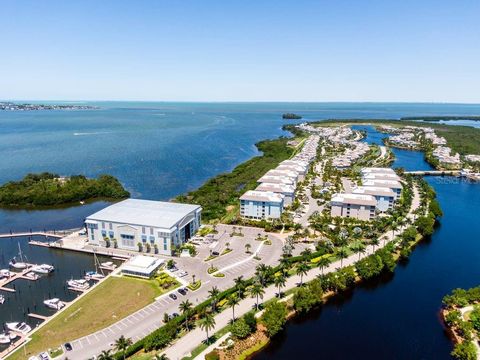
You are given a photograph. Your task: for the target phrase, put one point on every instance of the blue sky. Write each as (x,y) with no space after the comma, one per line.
(245,50)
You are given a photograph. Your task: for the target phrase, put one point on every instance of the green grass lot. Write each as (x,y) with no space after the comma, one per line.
(219,195)
(108,302)
(462,139)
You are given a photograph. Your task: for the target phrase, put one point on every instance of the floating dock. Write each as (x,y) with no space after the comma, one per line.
(38,316)
(15,276)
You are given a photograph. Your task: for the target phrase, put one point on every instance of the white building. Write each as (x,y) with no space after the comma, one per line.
(381,176)
(385,197)
(361,207)
(277,180)
(377,170)
(288,191)
(394,185)
(142,266)
(286,173)
(161,224)
(260,205)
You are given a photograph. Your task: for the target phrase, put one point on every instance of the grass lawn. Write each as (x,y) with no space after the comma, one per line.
(108,302)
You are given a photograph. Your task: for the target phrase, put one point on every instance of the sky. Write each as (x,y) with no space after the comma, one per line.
(241,50)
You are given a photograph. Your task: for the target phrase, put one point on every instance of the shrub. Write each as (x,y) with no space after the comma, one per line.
(274,317)
(251,321)
(240,329)
(465,351)
(213,355)
(304,300)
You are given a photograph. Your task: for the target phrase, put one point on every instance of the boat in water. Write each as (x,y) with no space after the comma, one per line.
(108,265)
(19,327)
(93,275)
(20,264)
(43,269)
(31,276)
(5,273)
(4,339)
(80,284)
(2,299)
(54,303)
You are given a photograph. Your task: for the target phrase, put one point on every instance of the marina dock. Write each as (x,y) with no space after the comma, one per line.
(15,276)
(38,316)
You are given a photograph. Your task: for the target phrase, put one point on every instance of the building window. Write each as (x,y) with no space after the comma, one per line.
(152,239)
(103,224)
(128,240)
(144,238)
(165,244)
(104,233)
(110,234)
(143,229)
(92,236)
(110,226)
(151,231)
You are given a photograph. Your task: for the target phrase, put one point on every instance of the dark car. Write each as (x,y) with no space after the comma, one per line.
(182,292)
(215,253)
(173,296)
(68,346)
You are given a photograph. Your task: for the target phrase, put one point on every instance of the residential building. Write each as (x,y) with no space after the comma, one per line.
(161,224)
(288,191)
(260,205)
(381,176)
(358,206)
(385,197)
(277,180)
(394,185)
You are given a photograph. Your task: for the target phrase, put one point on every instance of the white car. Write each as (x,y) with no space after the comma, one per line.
(182,273)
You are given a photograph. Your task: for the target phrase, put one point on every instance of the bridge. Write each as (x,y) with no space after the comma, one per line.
(435,172)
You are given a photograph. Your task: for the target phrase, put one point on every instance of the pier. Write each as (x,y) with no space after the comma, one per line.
(38,316)
(32,233)
(16,276)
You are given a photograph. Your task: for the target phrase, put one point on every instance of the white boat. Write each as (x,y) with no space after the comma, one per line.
(4,338)
(18,327)
(108,264)
(19,265)
(5,273)
(80,284)
(2,299)
(43,269)
(31,276)
(93,275)
(54,303)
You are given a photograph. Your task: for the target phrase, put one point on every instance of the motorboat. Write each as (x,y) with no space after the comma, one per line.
(93,275)
(19,327)
(80,284)
(31,276)
(2,299)
(108,265)
(54,303)
(4,339)
(43,269)
(5,273)
(21,264)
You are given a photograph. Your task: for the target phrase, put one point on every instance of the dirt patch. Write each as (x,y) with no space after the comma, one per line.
(241,346)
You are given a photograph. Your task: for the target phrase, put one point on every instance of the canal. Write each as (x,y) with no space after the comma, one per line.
(396,317)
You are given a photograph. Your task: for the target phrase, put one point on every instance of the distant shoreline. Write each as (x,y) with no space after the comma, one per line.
(10,106)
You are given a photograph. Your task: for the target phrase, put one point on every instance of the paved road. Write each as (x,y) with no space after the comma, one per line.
(191,340)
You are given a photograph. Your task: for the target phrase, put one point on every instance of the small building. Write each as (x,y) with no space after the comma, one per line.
(288,191)
(361,207)
(163,225)
(260,205)
(142,266)
(277,180)
(394,185)
(385,197)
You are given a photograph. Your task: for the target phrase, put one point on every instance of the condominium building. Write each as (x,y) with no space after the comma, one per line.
(358,206)
(385,197)
(288,191)
(259,205)
(394,185)
(286,173)
(277,180)
(381,176)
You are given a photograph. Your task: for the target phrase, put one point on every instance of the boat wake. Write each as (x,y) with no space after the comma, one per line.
(91,133)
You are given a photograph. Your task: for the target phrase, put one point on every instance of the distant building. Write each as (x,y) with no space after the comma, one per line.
(260,205)
(361,207)
(288,191)
(133,221)
(394,185)
(377,170)
(385,197)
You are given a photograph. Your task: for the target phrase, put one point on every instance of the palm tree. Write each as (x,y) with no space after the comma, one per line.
(160,357)
(105,355)
(360,249)
(213,294)
(227,245)
(261,271)
(279,282)
(122,343)
(257,291)
(232,301)
(342,254)
(307,253)
(247,248)
(323,263)
(302,269)
(374,242)
(207,323)
(185,307)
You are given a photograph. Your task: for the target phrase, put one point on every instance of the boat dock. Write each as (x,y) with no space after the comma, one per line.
(15,276)
(32,233)
(57,245)
(38,316)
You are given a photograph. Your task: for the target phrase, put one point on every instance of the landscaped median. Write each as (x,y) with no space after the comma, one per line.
(108,302)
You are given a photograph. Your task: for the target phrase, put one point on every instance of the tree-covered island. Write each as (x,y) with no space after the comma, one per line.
(47,189)
(291,116)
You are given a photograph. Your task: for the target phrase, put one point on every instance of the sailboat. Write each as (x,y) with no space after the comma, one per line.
(19,265)
(95,275)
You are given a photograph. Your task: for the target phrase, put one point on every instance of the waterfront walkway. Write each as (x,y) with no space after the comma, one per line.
(54,234)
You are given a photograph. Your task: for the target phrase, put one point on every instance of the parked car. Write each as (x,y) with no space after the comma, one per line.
(44,356)
(182,292)
(182,273)
(172,296)
(215,253)
(68,346)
